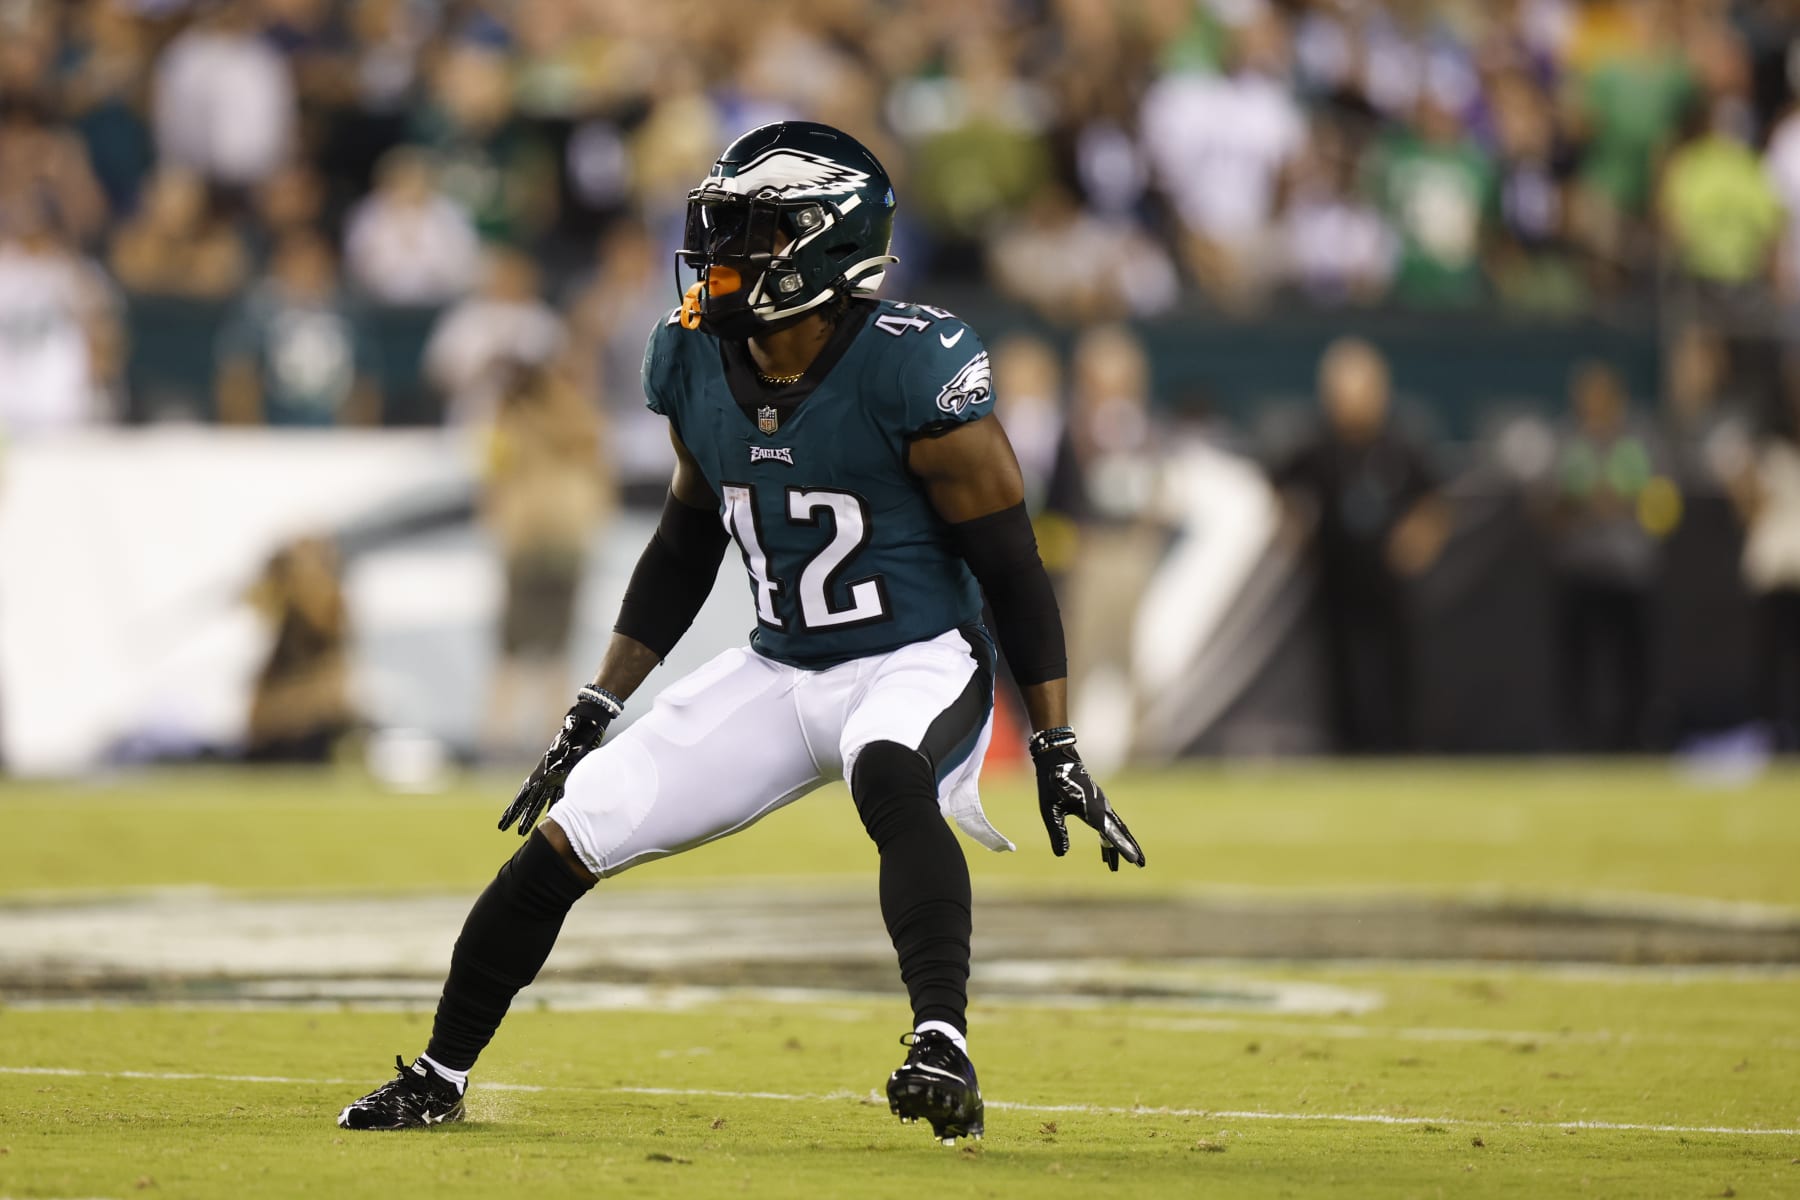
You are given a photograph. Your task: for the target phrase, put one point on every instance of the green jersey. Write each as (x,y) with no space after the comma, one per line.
(845,553)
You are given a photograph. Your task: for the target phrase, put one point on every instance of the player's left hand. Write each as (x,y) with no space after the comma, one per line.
(582,728)
(1065,789)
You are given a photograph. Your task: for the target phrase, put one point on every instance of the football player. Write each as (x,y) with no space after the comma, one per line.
(848,446)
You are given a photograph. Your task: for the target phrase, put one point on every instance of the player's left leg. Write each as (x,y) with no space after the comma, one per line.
(909,737)
(925,902)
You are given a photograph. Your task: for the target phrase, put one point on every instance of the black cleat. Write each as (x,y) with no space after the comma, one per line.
(417,1098)
(937,1082)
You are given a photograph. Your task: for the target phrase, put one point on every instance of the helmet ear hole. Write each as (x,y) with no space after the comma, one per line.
(841,250)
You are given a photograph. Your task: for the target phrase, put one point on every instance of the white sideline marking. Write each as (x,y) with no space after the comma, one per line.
(1224,1114)
(1435,1033)
(169,1075)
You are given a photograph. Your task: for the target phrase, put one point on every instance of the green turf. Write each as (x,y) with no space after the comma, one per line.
(1481,1068)
(1557,830)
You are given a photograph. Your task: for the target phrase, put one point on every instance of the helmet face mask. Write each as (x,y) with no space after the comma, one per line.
(744,255)
(791,216)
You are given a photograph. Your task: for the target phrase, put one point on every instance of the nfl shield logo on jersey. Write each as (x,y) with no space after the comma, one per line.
(766,420)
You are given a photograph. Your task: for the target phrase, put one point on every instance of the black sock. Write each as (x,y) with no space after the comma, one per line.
(503,945)
(924,879)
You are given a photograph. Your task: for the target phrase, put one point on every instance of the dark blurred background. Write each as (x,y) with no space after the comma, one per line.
(1390,376)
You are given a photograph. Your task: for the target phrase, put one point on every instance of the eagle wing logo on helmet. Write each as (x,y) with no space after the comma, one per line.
(968,386)
(789,174)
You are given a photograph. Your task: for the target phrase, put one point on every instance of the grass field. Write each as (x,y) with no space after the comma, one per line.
(1445,1078)
(1565,829)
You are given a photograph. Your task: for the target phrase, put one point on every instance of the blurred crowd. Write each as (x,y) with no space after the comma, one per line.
(510,174)
(1568,516)
(521,164)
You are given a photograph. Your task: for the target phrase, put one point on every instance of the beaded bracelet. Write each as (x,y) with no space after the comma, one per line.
(605,699)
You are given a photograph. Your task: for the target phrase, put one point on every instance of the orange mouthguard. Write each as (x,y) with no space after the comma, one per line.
(720,281)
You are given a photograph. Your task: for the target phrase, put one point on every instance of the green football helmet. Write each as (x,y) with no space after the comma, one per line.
(792,215)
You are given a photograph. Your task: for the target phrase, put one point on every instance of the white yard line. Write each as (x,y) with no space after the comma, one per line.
(1216,1114)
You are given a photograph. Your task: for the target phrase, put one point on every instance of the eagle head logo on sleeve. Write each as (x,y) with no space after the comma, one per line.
(970,385)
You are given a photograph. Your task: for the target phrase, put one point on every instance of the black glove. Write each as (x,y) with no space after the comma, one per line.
(582,730)
(1066,789)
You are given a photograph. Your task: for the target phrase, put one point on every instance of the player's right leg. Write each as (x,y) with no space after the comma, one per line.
(504,941)
(721,748)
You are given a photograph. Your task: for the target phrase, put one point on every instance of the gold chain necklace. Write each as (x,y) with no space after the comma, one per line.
(780,380)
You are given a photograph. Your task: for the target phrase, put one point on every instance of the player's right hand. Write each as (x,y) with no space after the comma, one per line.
(582,728)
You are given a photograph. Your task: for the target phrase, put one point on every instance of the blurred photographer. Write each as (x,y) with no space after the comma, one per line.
(547,494)
(300,707)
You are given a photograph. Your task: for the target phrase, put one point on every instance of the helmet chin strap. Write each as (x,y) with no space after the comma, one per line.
(741,323)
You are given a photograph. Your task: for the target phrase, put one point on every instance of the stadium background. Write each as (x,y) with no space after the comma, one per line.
(324,454)
(295,215)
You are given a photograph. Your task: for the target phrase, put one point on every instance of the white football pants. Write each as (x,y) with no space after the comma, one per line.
(744,735)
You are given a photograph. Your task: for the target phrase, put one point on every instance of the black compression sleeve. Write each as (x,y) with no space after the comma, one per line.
(1002,552)
(673,577)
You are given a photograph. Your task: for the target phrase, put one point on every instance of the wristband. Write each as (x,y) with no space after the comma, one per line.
(591,694)
(1059,737)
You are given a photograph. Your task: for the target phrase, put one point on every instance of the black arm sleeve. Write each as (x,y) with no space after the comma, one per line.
(1002,552)
(673,577)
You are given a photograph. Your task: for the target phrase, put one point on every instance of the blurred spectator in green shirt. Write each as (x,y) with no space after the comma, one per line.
(490,162)
(1632,99)
(294,354)
(980,151)
(1437,187)
(1719,211)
